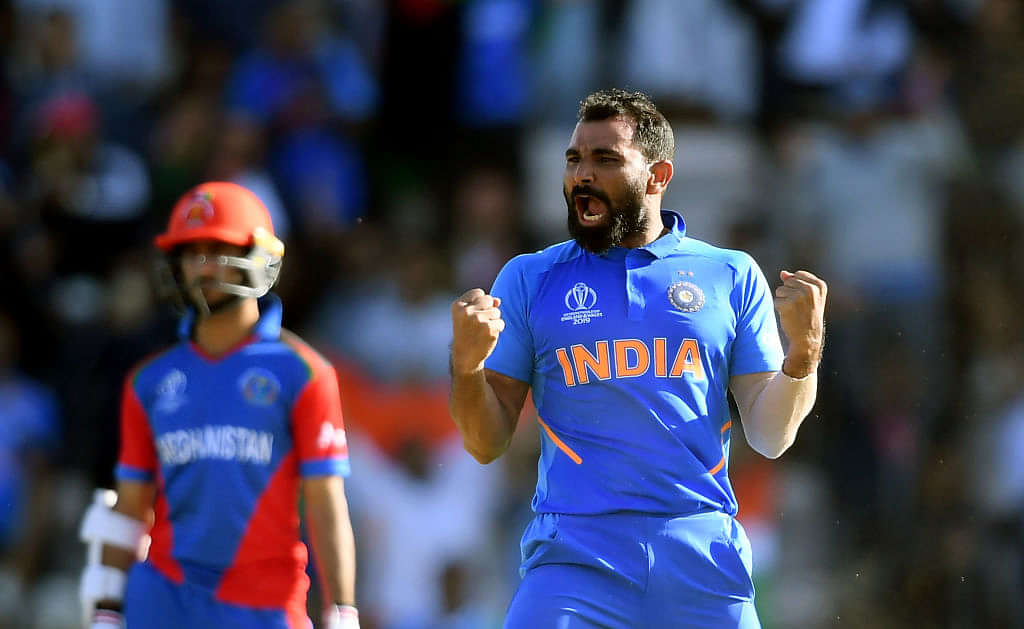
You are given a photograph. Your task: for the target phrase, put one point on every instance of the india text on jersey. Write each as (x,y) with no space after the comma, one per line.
(629,358)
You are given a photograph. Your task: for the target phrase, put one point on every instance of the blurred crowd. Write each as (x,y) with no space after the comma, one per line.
(407,148)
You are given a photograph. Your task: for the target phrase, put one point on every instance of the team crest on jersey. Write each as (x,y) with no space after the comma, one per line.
(200,210)
(259,386)
(686,296)
(580,300)
(170,393)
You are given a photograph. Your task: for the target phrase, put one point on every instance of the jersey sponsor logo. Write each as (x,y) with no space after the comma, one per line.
(629,358)
(170,392)
(259,386)
(685,295)
(331,437)
(226,443)
(580,301)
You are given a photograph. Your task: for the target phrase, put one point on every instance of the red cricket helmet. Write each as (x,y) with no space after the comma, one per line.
(216,210)
(226,212)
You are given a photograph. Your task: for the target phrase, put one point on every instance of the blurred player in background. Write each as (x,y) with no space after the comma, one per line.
(629,336)
(218,435)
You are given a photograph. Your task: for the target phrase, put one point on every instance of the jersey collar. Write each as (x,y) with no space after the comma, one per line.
(664,246)
(267,328)
(669,243)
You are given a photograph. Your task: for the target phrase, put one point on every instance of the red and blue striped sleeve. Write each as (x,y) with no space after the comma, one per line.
(318,427)
(137,460)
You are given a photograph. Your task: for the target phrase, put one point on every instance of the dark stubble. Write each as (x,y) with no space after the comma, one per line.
(625,220)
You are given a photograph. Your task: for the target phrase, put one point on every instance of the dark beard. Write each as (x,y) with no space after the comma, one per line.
(624,221)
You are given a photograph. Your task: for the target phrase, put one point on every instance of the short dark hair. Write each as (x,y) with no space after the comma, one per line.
(653,135)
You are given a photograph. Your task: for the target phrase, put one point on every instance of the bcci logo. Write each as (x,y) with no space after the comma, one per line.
(580,297)
(686,296)
(259,387)
(200,210)
(580,300)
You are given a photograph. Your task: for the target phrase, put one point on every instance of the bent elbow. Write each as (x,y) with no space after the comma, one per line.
(771,449)
(483,455)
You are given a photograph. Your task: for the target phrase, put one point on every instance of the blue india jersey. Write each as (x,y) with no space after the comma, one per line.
(629,355)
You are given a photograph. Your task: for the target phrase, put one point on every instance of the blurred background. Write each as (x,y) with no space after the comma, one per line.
(407,148)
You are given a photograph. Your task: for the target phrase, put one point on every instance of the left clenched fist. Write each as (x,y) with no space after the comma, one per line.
(800,302)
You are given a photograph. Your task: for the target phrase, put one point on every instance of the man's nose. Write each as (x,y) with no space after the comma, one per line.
(583,173)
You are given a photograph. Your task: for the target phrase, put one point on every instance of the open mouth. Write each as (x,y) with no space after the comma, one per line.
(589,210)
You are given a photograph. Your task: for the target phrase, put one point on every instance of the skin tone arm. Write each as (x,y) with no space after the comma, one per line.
(135,500)
(485,405)
(334,545)
(772,405)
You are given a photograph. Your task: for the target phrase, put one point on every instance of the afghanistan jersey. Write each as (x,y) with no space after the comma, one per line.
(226,440)
(629,355)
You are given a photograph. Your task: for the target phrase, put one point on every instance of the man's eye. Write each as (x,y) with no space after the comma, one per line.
(571,160)
(608,160)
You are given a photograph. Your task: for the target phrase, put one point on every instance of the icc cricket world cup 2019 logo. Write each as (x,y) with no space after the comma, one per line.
(580,301)
(580,297)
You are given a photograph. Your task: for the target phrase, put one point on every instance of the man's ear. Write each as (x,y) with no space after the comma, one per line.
(659,174)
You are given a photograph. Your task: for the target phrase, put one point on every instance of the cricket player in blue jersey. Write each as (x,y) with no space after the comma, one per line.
(630,335)
(220,434)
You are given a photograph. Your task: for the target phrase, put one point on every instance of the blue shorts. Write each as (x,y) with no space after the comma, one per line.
(151,601)
(631,570)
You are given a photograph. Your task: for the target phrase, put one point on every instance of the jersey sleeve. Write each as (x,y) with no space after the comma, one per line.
(757,347)
(513,355)
(137,460)
(318,428)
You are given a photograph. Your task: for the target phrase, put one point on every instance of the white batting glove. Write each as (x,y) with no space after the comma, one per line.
(341,617)
(107,619)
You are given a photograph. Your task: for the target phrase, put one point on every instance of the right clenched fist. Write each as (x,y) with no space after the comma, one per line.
(476,324)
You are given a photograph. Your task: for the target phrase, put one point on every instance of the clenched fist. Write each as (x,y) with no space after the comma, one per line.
(476,324)
(800,302)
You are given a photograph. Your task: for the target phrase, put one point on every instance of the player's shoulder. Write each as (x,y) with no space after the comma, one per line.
(538,262)
(307,356)
(148,371)
(738,260)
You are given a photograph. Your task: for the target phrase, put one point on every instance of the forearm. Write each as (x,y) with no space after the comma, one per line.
(773,419)
(334,548)
(486,426)
(120,558)
(114,536)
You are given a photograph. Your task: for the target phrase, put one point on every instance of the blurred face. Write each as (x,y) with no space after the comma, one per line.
(604,184)
(201,272)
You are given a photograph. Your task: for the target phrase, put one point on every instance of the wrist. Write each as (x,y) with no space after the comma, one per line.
(341,616)
(460,370)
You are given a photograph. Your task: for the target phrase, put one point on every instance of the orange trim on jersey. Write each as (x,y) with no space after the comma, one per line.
(558,442)
(726,426)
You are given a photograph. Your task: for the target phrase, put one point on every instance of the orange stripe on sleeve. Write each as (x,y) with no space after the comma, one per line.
(561,444)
